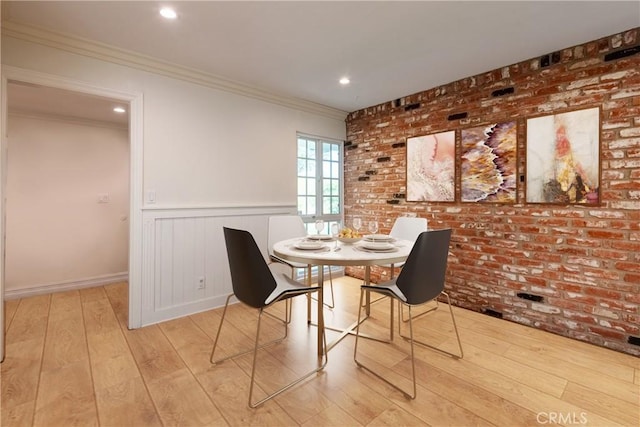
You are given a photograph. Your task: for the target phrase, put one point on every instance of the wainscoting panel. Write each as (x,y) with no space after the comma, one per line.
(181,246)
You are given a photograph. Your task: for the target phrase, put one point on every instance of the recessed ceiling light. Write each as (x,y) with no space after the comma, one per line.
(345,81)
(168,13)
(119,110)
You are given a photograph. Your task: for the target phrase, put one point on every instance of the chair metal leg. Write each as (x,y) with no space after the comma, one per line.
(332,305)
(257,346)
(417,315)
(361,365)
(215,342)
(413,359)
(455,328)
(384,296)
(291,384)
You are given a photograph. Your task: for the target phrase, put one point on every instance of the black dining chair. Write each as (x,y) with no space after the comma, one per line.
(255,285)
(420,281)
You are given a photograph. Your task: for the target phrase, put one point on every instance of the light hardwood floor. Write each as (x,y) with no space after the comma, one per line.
(70,360)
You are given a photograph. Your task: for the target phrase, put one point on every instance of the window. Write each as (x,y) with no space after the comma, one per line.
(319,181)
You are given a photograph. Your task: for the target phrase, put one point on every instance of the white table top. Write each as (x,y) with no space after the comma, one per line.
(348,254)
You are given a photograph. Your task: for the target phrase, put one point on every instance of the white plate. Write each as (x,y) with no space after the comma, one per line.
(378,238)
(377,246)
(323,237)
(309,246)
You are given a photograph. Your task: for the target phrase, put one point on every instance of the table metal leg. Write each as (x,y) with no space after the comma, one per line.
(367,281)
(349,330)
(308,283)
(320,309)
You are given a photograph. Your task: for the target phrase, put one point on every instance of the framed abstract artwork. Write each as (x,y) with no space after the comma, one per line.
(488,165)
(431,167)
(563,158)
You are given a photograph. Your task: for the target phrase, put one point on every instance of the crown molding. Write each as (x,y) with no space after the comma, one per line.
(36,115)
(105,52)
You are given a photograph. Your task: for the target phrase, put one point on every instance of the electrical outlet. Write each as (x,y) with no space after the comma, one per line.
(200,283)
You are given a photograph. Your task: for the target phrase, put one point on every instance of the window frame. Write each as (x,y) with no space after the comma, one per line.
(309,219)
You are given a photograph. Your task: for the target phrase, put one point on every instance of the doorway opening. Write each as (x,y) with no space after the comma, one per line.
(67,190)
(130,221)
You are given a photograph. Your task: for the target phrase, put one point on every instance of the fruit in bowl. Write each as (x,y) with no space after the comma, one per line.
(347,235)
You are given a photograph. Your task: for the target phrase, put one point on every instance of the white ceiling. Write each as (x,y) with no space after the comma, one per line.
(300,49)
(32,99)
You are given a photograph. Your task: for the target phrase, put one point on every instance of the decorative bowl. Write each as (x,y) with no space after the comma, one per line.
(349,240)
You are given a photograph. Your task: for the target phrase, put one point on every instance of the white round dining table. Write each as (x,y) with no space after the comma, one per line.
(340,254)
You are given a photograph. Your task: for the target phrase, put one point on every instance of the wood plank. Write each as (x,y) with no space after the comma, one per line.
(99,316)
(231,340)
(20,373)
(395,416)
(339,383)
(536,337)
(332,416)
(66,306)
(109,372)
(511,390)
(618,410)
(442,319)
(613,387)
(65,344)
(617,366)
(107,345)
(305,402)
(30,319)
(550,384)
(495,409)
(19,415)
(96,293)
(10,308)
(126,404)
(228,387)
(191,343)
(153,353)
(118,294)
(66,397)
(181,401)
(427,405)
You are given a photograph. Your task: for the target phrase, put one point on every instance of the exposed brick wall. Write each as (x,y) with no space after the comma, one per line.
(572,270)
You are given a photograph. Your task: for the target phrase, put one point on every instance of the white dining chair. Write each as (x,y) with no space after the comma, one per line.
(284,227)
(404,228)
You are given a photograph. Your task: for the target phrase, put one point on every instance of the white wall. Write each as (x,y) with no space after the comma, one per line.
(202,146)
(206,152)
(57,232)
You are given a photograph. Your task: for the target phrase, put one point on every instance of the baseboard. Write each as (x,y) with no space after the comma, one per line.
(65,286)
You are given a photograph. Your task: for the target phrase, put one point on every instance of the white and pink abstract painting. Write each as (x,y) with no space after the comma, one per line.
(431,167)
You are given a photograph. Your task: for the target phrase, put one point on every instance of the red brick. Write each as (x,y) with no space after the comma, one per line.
(603,234)
(590,253)
(608,333)
(632,278)
(580,317)
(628,266)
(602,293)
